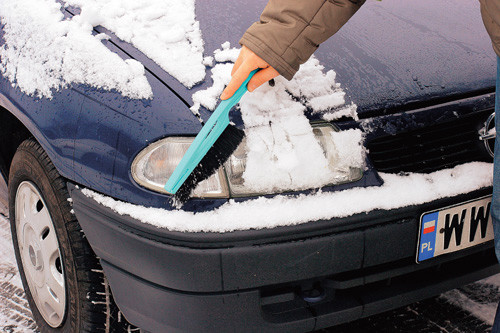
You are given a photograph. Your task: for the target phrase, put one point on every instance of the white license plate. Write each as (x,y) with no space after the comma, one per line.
(454,228)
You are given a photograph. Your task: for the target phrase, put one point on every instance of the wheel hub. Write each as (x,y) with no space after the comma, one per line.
(40,254)
(35,257)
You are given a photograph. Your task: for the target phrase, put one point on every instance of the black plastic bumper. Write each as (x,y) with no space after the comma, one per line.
(255,280)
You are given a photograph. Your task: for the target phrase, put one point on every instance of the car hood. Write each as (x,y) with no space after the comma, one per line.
(390,54)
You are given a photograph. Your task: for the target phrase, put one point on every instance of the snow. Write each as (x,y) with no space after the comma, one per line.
(208,97)
(320,91)
(208,61)
(282,151)
(44,52)
(164,30)
(15,315)
(485,312)
(226,53)
(396,192)
(350,151)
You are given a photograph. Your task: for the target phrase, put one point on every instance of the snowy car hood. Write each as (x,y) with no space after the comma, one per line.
(390,53)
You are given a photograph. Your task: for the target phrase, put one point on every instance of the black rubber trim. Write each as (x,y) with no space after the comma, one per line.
(429,103)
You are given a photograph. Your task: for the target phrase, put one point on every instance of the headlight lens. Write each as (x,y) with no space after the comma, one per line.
(340,171)
(153,166)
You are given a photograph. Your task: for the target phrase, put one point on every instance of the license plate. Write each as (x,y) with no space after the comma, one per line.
(454,228)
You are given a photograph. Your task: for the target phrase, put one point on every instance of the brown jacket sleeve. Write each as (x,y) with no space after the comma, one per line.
(290,31)
(490,10)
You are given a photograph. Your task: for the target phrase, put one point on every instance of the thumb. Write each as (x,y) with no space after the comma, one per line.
(237,79)
(262,77)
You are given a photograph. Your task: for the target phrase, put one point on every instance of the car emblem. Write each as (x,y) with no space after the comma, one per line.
(487,134)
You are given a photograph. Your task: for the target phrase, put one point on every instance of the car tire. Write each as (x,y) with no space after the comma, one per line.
(62,277)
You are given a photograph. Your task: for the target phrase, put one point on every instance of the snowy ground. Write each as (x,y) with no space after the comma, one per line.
(468,309)
(15,315)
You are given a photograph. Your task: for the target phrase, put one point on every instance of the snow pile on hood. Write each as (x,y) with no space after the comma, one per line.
(282,151)
(397,191)
(320,92)
(164,30)
(44,52)
(317,90)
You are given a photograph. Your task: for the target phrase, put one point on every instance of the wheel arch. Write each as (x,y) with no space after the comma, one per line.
(18,124)
(12,133)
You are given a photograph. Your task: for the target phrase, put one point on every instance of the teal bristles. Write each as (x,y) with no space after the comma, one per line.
(202,144)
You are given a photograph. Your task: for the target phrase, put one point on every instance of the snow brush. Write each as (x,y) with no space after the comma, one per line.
(211,148)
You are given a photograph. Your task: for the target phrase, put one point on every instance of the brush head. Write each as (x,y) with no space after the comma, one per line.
(218,154)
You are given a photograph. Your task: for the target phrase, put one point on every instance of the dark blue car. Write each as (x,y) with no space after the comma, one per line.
(422,75)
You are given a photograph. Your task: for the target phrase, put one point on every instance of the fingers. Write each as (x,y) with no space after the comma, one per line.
(248,61)
(261,77)
(237,79)
(238,62)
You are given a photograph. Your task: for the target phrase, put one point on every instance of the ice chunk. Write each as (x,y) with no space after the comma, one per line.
(226,53)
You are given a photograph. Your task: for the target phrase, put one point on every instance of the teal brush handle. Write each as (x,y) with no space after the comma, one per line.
(205,139)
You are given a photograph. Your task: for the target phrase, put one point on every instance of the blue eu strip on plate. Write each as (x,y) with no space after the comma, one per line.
(428,236)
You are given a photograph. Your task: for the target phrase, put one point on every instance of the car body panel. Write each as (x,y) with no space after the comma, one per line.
(404,64)
(52,122)
(95,119)
(389,54)
(174,281)
(111,129)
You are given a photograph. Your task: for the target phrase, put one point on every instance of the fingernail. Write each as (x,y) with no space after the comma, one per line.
(251,87)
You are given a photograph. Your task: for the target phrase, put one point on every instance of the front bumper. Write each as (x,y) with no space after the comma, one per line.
(255,280)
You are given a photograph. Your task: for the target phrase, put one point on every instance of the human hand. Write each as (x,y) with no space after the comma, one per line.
(248,61)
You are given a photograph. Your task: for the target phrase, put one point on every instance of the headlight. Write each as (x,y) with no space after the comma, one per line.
(153,166)
(341,170)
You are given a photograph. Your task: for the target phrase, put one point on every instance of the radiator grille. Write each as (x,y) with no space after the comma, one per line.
(431,148)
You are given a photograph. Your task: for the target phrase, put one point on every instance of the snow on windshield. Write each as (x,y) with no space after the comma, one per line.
(397,191)
(44,52)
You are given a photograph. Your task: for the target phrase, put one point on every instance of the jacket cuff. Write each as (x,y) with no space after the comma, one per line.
(268,55)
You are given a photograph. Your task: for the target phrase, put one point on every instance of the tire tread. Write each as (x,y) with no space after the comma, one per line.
(93,306)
